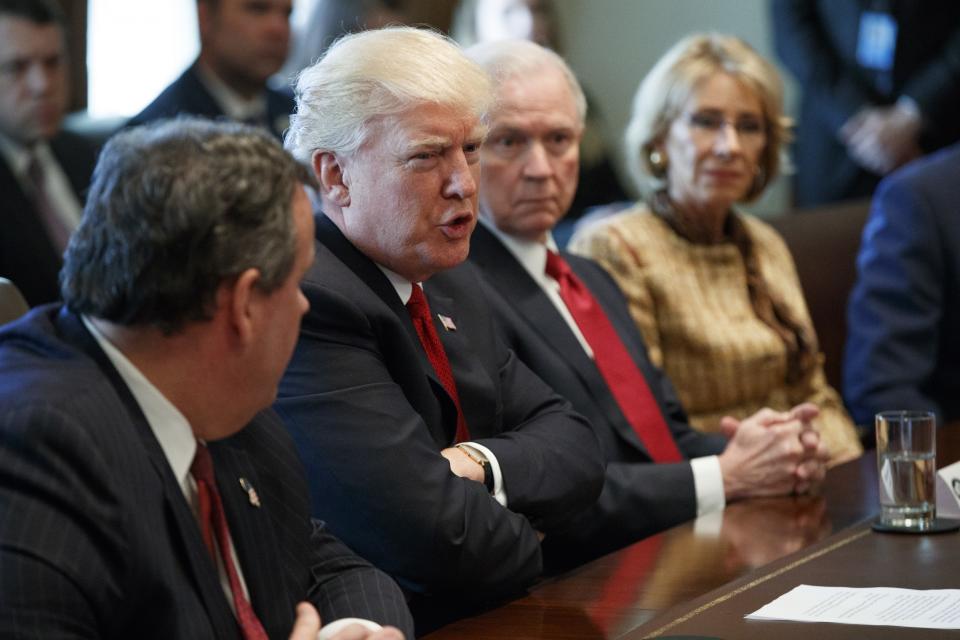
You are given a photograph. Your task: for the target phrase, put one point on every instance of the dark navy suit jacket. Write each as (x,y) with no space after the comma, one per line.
(817,41)
(639,497)
(27,256)
(370,417)
(903,343)
(96,538)
(188,95)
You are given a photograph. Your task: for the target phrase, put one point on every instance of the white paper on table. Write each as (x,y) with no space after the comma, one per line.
(927,609)
(948,491)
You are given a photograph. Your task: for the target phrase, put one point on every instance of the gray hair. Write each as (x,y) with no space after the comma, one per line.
(505,60)
(676,77)
(175,208)
(378,73)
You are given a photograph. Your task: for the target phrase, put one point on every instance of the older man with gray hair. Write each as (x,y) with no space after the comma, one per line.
(567,320)
(144,492)
(434,452)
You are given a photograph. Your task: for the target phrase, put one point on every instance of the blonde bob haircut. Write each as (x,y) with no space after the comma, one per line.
(377,73)
(675,78)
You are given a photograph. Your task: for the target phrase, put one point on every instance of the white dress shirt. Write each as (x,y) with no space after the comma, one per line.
(234,106)
(707,476)
(404,289)
(175,436)
(179,447)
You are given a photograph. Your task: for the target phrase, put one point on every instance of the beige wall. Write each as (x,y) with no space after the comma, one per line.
(612,43)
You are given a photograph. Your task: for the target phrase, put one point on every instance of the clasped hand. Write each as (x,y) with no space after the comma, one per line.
(880,139)
(773,453)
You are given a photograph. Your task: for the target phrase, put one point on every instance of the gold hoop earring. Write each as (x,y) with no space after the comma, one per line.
(658,163)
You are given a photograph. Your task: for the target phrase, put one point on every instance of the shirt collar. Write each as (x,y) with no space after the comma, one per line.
(401,285)
(169,426)
(530,254)
(235,106)
(18,156)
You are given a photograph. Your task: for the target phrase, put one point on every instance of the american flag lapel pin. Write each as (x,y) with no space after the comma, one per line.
(252,495)
(447,322)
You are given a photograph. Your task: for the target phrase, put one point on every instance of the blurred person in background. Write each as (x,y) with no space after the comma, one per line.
(880,85)
(44,171)
(242,44)
(331,19)
(714,291)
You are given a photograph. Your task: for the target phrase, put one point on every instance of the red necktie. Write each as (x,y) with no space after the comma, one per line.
(624,379)
(57,229)
(213,526)
(422,321)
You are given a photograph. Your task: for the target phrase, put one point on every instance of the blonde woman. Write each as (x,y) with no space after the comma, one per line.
(714,291)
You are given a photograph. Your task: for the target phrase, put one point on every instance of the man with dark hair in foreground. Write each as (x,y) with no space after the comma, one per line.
(143,491)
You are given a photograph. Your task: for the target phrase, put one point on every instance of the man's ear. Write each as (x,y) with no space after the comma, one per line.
(241,300)
(328,168)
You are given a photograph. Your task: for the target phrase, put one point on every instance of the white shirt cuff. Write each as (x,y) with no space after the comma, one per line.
(499,494)
(708,484)
(335,627)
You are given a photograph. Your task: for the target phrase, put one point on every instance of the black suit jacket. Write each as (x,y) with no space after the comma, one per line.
(27,256)
(96,538)
(639,497)
(188,95)
(817,41)
(370,418)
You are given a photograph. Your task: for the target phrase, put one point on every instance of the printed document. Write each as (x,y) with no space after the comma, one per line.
(926,609)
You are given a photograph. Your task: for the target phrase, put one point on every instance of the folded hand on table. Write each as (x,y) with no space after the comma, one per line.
(772,453)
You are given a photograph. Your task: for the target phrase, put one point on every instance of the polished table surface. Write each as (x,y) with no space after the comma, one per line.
(702,577)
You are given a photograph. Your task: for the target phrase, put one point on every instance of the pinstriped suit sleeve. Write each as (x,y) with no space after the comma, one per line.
(348,586)
(59,534)
(340,584)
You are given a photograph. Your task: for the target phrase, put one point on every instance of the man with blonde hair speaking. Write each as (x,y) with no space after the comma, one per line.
(433,451)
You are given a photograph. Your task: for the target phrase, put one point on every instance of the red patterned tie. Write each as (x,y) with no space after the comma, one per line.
(627,384)
(422,321)
(213,526)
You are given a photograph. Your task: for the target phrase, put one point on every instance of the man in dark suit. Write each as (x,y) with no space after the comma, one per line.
(144,492)
(436,454)
(659,470)
(880,86)
(43,170)
(242,44)
(903,349)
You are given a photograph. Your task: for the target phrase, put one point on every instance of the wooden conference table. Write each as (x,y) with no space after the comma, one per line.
(701,578)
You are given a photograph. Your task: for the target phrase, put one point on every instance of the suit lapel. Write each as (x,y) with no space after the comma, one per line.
(197,99)
(474,386)
(185,523)
(253,534)
(329,235)
(543,320)
(532,304)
